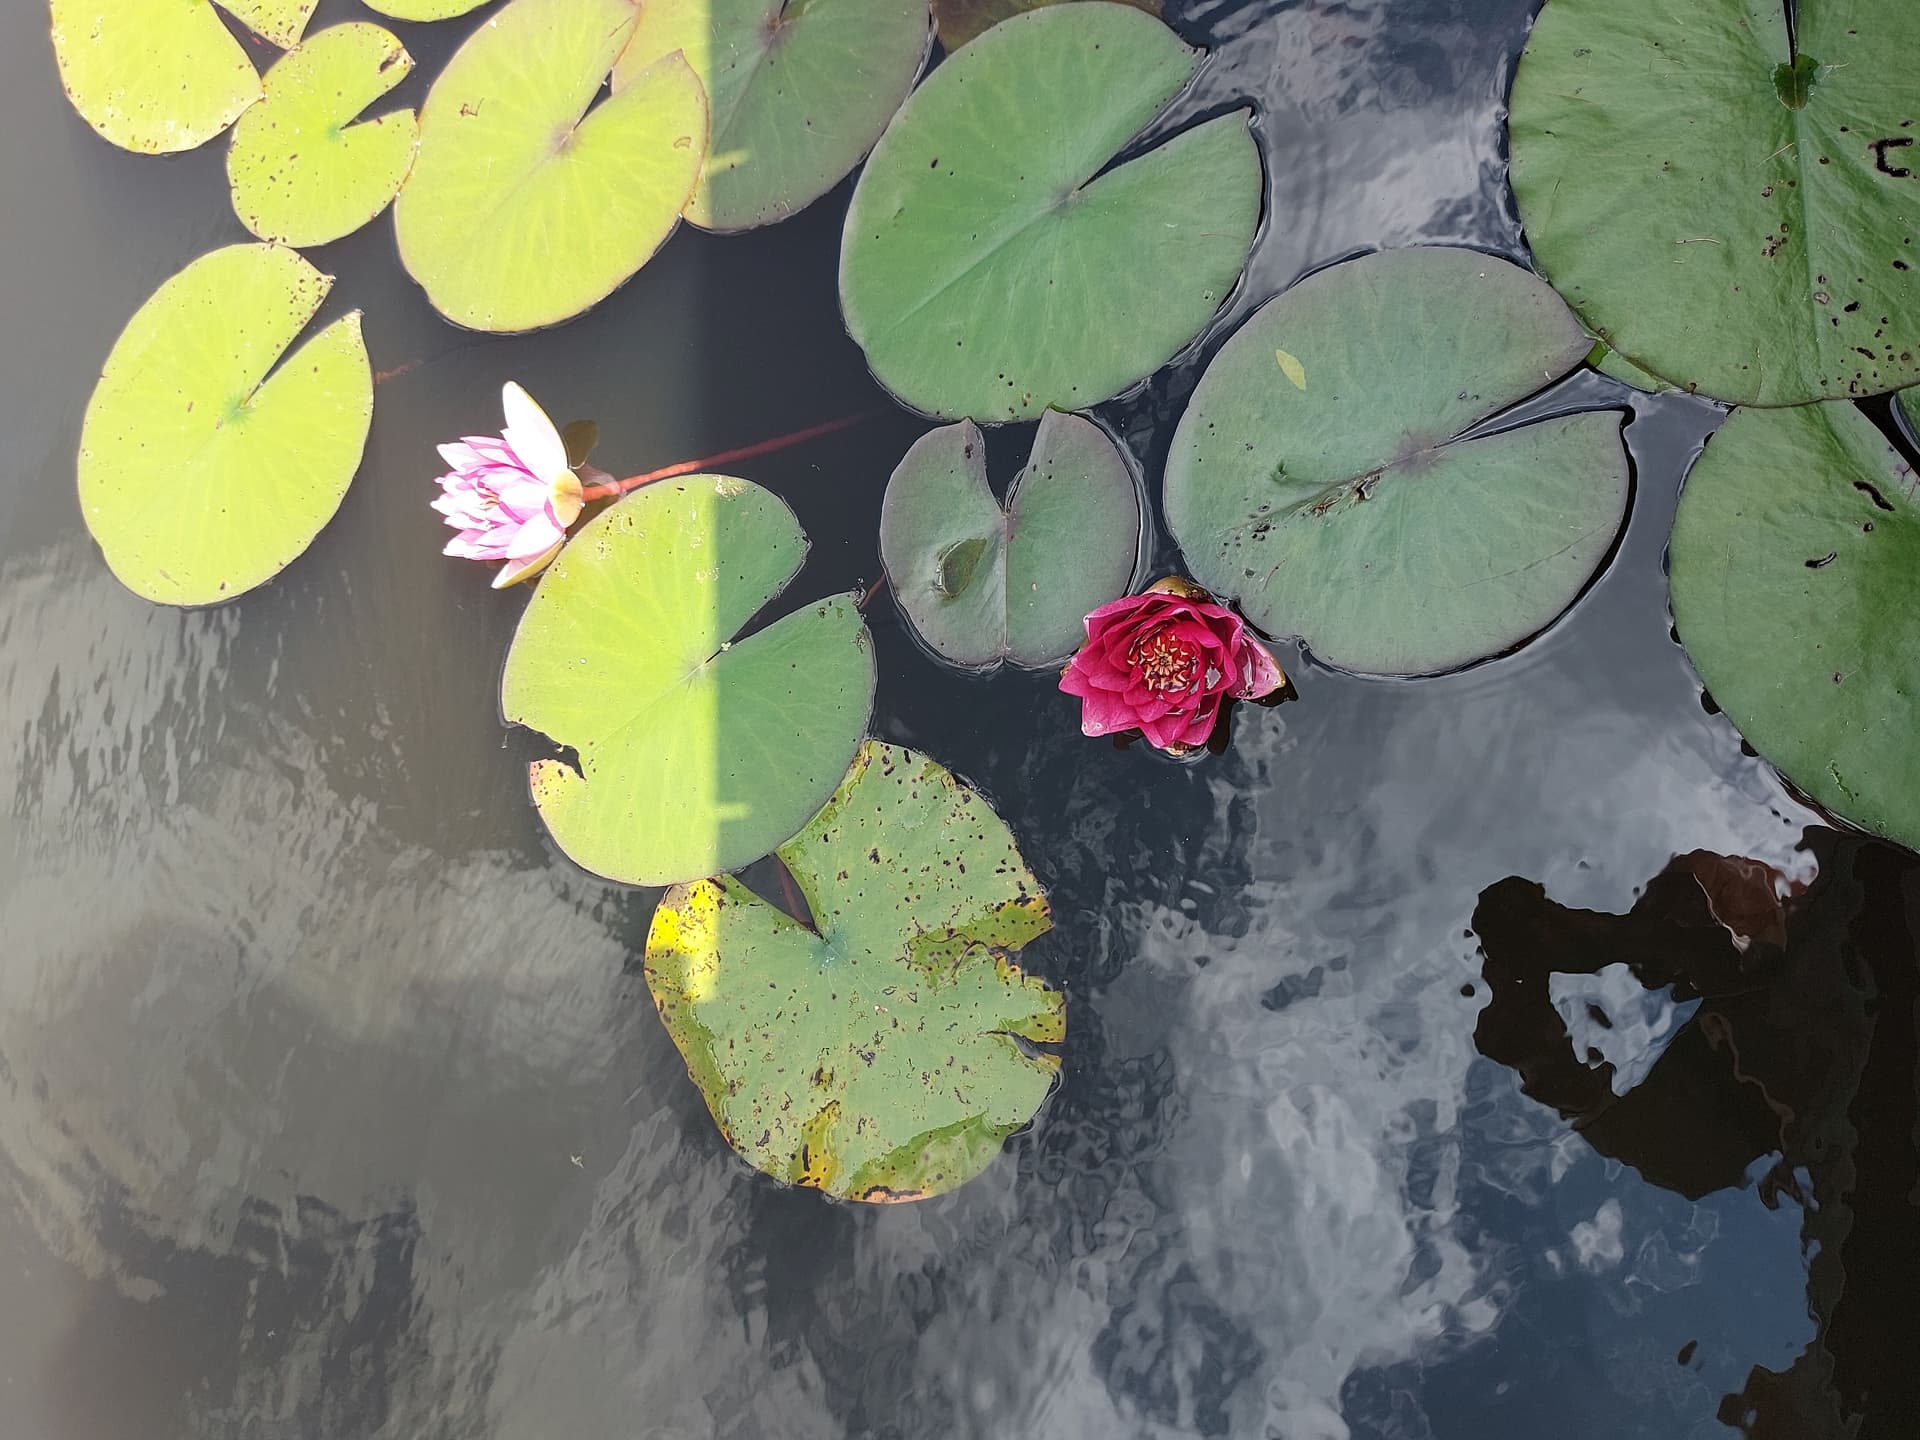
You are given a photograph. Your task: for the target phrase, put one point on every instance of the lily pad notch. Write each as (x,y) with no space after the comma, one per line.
(1336,473)
(888,1051)
(981,583)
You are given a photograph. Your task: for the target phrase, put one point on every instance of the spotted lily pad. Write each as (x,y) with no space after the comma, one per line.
(1730,201)
(164,75)
(1796,589)
(697,751)
(204,469)
(800,90)
(883,1053)
(1909,407)
(300,172)
(996,262)
(959,21)
(982,584)
(1322,473)
(526,206)
(424,9)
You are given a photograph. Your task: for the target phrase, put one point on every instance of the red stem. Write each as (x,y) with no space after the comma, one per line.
(745,452)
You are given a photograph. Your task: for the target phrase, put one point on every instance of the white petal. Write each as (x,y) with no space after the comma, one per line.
(532,435)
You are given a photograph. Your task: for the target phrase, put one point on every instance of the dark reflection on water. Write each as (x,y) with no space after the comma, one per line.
(332,1103)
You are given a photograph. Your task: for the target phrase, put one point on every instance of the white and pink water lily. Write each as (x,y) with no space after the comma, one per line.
(511,496)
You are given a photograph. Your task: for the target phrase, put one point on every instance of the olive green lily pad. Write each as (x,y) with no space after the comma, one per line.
(1795,567)
(525,206)
(1731,206)
(424,9)
(204,469)
(698,752)
(882,1054)
(982,584)
(164,75)
(1320,474)
(799,89)
(1909,407)
(959,21)
(993,266)
(300,173)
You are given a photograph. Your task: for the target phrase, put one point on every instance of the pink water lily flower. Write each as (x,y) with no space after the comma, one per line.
(1162,663)
(511,496)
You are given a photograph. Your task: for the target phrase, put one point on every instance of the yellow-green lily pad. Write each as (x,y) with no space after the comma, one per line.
(164,75)
(529,203)
(302,174)
(698,750)
(210,458)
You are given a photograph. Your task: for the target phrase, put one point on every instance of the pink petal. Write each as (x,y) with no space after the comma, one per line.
(1260,673)
(534,438)
(1103,713)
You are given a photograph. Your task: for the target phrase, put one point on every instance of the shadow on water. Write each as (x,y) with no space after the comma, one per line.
(332,1102)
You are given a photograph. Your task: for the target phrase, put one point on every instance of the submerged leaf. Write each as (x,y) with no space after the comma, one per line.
(993,265)
(204,469)
(164,75)
(981,584)
(526,206)
(800,90)
(698,751)
(885,1054)
(1729,203)
(1352,514)
(1795,566)
(301,174)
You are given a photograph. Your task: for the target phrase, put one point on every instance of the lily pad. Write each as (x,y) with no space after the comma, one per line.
(1323,475)
(799,89)
(300,173)
(1795,574)
(959,21)
(1730,202)
(164,75)
(204,469)
(424,9)
(526,206)
(982,584)
(880,1055)
(698,751)
(1909,407)
(996,263)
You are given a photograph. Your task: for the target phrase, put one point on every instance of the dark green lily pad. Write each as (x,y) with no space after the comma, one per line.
(883,1055)
(300,172)
(210,458)
(164,75)
(698,752)
(1730,208)
(982,584)
(800,90)
(528,203)
(993,266)
(1320,475)
(1795,568)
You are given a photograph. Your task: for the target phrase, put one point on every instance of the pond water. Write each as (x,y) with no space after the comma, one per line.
(333,1103)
